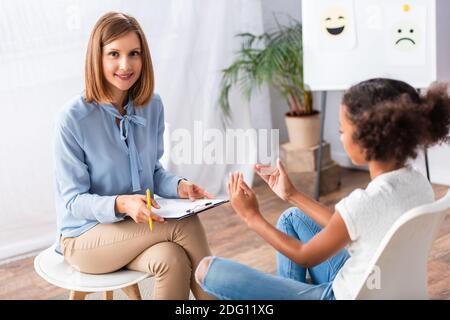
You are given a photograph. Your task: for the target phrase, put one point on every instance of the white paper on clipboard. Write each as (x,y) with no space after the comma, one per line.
(182,208)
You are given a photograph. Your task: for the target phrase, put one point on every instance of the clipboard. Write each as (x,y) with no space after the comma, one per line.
(177,209)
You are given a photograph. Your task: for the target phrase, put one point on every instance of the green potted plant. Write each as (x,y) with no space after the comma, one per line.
(275,58)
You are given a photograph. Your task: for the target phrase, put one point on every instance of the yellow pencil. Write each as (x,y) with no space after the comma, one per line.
(149,205)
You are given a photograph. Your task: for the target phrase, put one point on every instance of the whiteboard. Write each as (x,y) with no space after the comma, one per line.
(348,41)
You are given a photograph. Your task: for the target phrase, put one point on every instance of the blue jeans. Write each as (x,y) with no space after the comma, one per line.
(230,280)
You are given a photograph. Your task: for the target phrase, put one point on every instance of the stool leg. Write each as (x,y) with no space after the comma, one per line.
(107,295)
(133,292)
(78,295)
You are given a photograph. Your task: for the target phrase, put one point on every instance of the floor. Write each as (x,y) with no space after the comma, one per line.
(229,237)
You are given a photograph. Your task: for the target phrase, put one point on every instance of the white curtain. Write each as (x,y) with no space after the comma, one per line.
(42,51)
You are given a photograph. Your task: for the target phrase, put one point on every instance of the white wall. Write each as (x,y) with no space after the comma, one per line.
(439,156)
(283,9)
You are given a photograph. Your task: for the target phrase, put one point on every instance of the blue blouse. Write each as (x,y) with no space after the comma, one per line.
(95,161)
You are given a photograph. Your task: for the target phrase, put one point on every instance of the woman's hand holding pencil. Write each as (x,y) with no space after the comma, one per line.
(137,208)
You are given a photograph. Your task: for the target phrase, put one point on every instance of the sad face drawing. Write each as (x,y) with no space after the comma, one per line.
(406,36)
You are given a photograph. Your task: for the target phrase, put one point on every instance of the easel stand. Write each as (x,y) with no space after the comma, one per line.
(323,106)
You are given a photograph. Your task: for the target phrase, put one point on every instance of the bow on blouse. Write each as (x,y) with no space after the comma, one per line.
(126,125)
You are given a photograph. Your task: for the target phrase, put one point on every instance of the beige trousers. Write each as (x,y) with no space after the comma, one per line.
(171,253)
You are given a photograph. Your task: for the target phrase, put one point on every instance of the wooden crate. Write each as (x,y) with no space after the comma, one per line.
(304,160)
(330,180)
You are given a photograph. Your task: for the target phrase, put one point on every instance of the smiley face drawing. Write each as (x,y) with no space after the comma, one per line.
(334,22)
(406,36)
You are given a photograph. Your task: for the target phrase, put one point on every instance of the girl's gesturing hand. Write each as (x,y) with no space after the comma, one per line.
(242,198)
(277,180)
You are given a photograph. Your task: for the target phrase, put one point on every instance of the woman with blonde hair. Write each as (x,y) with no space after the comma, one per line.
(108,144)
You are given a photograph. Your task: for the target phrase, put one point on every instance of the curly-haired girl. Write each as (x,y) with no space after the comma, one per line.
(383,122)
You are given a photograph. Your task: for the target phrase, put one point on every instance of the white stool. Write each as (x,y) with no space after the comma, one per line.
(54,269)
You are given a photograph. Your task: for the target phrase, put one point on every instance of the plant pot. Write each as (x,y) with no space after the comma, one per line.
(304,130)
